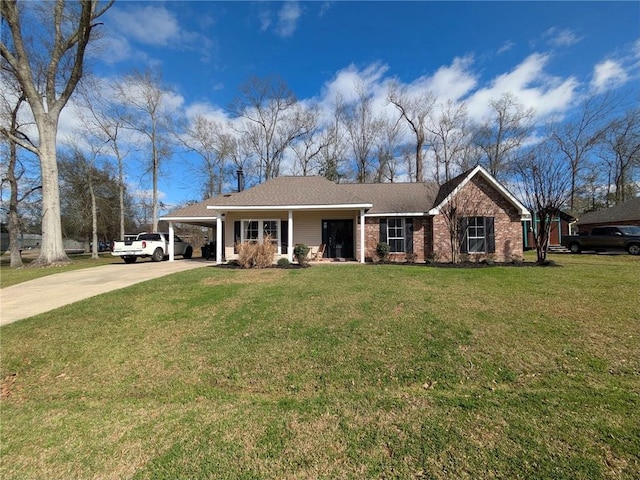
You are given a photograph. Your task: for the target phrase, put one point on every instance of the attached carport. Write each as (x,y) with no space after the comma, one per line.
(197,215)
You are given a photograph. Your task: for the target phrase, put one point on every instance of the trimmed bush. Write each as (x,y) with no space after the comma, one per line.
(283,262)
(300,252)
(382,249)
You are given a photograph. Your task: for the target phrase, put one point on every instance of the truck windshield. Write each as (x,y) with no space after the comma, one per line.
(630,230)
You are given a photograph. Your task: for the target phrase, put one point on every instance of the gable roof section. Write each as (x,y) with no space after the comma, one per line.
(623,212)
(395,198)
(452,187)
(294,193)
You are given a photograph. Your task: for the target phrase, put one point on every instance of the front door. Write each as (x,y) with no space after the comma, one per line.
(337,235)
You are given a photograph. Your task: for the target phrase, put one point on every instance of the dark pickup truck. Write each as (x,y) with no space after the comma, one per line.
(610,237)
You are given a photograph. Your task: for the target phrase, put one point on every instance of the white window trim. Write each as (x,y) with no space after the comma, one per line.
(403,237)
(483,237)
(261,221)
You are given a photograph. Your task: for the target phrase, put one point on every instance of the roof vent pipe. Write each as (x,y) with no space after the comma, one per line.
(240,179)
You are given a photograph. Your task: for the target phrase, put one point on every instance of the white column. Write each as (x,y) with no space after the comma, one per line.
(290,237)
(362,235)
(171,243)
(219,238)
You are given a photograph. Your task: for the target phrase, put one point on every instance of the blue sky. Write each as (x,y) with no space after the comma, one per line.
(548,54)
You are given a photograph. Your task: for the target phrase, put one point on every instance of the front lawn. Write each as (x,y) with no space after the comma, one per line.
(345,371)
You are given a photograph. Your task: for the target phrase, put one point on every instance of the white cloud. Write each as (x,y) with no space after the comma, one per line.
(149,24)
(530,85)
(561,37)
(505,47)
(454,81)
(607,74)
(288,19)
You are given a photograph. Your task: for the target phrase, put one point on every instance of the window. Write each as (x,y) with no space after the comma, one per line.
(270,227)
(477,235)
(257,230)
(250,231)
(395,235)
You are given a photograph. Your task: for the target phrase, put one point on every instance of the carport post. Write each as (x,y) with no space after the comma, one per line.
(171,244)
(219,238)
(362,235)
(290,237)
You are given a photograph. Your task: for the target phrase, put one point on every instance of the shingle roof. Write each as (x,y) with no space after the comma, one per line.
(623,212)
(286,191)
(395,197)
(315,191)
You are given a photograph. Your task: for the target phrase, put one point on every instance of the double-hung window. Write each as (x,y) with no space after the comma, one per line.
(256,231)
(395,234)
(477,235)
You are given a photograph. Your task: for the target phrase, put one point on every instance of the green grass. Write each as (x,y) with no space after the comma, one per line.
(12,276)
(334,372)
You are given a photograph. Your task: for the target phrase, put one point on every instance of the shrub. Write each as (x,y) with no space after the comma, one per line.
(411,257)
(382,249)
(265,252)
(300,252)
(246,254)
(258,255)
(283,262)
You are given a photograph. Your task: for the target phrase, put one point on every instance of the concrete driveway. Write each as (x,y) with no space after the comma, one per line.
(47,293)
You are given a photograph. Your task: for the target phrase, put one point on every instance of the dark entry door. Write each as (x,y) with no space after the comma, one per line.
(337,235)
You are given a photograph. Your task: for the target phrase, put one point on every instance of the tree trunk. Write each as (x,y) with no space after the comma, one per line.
(94,223)
(14,221)
(51,247)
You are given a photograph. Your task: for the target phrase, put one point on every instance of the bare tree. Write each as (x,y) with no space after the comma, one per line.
(621,153)
(307,149)
(14,174)
(362,128)
(578,136)
(503,133)
(147,113)
(272,121)
(210,140)
(388,150)
(331,156)
(105,119)
(48,64)
(414,109)
(450,139)
(544,180)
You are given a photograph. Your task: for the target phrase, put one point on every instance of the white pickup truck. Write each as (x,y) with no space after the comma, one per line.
(154,245)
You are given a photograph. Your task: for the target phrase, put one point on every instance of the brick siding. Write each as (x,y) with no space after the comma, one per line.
(431,234)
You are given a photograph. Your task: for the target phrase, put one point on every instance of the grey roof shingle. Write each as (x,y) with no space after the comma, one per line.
(395,197)
(623,212)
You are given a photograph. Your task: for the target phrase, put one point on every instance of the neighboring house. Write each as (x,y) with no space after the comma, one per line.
(626,213)
(560,227)
(413,218)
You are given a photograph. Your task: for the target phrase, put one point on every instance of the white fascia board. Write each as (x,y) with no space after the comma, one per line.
(489,178)
(395,214)
(230,208)
(187,219)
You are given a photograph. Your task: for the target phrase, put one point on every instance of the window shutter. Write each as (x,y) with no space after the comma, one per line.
(463,231)
(491,237)
(284,233)
(408,235)
(383,230)
(236,235)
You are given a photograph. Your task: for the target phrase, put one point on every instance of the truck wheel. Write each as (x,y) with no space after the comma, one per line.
(634,249)
(574,248)
(158,255)
(188,253)
(129,259)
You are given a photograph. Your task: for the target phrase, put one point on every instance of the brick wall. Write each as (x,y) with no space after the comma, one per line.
(372,238)
(479,198)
